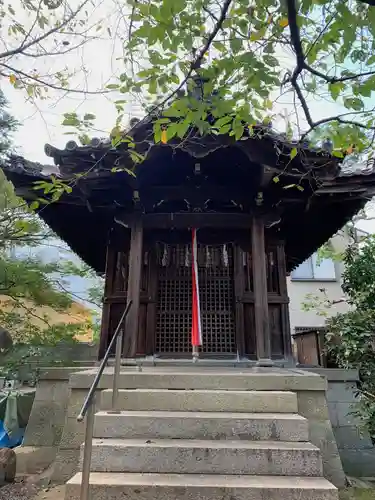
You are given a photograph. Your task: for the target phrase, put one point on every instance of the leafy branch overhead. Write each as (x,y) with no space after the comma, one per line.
(239,63)
(36,304)
(38,35)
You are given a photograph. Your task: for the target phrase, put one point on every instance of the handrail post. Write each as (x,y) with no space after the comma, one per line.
(87,452)
(117,369)
(88,408)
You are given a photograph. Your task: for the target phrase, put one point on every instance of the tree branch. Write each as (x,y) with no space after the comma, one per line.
(45,35)
(334,79)
(51,85)
(338,119)
(198,59)
(59,53)
(295,38)
(297,45)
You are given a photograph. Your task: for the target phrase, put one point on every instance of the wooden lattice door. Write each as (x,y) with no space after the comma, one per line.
(215,272)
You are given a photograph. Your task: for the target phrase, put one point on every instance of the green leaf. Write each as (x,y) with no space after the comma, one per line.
(182,128)
(366,89)
(293,153)
(236,44)
(337,153)
(157,134)
(71,122)
(136,158)
(225,129)
(371,60)
(238,131)
(258,35)
(271,61)
(289,186)
(219,46)
(222,121)
(163,120)
(112,86)
(335,89)
(173,112)
(312,55)
(353,103)
(276,179)
(171,131)
(34,205)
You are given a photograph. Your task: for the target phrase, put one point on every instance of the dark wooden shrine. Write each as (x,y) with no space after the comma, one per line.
(260,210)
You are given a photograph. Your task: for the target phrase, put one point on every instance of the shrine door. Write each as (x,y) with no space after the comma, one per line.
(174,300)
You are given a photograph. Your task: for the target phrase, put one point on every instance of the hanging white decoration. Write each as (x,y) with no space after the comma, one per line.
(164,260)
(208,257)
(187,260)
(225,256)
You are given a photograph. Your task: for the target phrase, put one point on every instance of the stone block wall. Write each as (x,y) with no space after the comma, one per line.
(356,449)
(313,406)
(67,457)
(47,420)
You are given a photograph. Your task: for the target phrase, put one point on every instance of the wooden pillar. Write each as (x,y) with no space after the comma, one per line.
(134,287)
(287,338)
(108,288)
(262,326)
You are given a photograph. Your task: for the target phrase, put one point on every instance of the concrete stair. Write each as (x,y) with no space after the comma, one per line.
(112,486)
(201,425)
(191,456)
(202,400)
(202,443)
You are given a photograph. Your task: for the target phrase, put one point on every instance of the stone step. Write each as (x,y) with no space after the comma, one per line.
(201,487)
(178,456)
(202,400)
(201,425)
(197,377)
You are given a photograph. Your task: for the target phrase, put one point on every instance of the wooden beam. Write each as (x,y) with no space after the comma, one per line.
(193,193)
(189,220)
(134,286)
(262,326)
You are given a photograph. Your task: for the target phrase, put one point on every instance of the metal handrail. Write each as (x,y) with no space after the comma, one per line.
(88,407)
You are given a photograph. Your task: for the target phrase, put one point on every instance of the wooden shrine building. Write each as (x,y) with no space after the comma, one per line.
(259,210)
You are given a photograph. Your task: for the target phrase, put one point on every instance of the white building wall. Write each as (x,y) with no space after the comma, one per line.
(299,290)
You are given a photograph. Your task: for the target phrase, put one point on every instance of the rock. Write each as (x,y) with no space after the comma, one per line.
(6,341)
(8,464)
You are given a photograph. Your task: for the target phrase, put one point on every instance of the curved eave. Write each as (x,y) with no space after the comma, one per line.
(305,226)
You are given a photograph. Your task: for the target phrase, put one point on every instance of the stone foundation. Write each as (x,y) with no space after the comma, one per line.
(47,421)
(310,389)
(355,447)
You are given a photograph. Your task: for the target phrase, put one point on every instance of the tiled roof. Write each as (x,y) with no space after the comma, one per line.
(353,165)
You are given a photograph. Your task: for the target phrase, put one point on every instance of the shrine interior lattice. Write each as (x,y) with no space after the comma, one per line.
(174,302)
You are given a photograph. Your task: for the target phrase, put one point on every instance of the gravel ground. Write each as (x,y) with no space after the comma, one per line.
(28,490)
(20,490)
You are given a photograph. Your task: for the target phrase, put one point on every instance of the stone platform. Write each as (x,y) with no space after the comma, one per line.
(279,415)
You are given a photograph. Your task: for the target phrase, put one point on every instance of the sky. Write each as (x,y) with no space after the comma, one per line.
(40,121)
